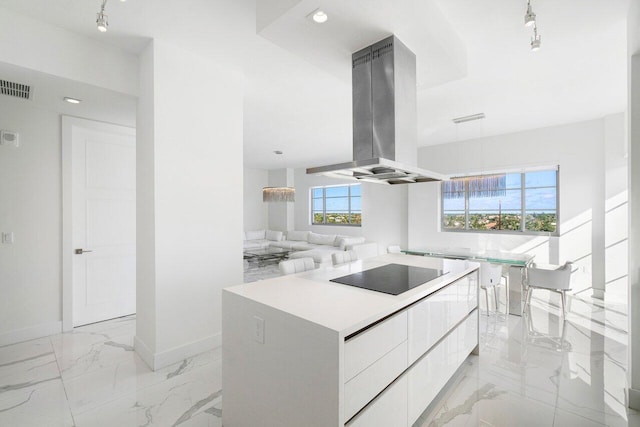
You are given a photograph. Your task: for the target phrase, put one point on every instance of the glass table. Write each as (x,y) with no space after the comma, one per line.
(516,263)
(265,255)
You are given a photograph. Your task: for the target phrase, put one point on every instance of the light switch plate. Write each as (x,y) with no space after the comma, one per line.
(258,329)
(7,237)
(9,137)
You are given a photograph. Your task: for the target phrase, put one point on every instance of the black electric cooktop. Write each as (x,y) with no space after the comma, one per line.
(391,279)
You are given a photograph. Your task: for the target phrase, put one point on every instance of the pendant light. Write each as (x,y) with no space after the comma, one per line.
(536,40)
(102,20)
(529,16)
(278,194)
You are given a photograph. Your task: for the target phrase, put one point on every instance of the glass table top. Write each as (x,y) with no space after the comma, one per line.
(497,257)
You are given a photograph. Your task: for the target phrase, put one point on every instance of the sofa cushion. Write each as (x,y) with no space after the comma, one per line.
(274,236)
(321,239)
(301,246)
(283,244)
(255,235)
(255,244)
(349,241)
(299,236)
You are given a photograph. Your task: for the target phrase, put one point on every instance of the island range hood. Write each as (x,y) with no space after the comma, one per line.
(385,130)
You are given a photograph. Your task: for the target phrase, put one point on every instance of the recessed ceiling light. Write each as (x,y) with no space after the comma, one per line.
(320,17)
(72,100)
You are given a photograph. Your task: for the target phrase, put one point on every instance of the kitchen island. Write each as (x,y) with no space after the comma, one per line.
(302,350)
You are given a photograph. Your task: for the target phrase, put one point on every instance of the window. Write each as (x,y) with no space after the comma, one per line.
(336,205)
(512,202)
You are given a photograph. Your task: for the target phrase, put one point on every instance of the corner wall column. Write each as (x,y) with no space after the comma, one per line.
(189,207)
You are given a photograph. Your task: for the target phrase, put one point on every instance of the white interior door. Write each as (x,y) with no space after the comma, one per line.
(104,222)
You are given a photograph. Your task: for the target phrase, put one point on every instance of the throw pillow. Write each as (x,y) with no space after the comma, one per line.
(299,236)
(274,236)
(321,239)
(255,235)
(350,241)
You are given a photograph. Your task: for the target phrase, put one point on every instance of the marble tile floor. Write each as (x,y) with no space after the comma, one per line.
(534,370)
(92,377)
(254,272)
(539,370)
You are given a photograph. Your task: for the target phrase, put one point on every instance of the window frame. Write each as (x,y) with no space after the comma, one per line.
(324,205)
(523,207)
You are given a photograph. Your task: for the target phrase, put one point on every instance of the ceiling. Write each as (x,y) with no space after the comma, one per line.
(472,56)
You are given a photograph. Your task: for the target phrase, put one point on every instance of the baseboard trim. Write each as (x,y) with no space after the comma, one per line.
(634,399)
(30,333)
(143,351)
(163,359)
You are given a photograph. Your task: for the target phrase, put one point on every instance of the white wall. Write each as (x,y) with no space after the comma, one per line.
(30,207)
(281,214)
(633,49)
(190,120)
(59,52)
(579,150)
(255,211)
(30,187)
(384,210)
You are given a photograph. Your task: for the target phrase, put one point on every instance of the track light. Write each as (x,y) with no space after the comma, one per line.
(536,40)
(102,21)
(529,16)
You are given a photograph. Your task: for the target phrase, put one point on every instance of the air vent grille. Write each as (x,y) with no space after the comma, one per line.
(15,89)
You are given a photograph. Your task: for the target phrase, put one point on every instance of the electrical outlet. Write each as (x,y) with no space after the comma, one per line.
(7,237)
(258,329)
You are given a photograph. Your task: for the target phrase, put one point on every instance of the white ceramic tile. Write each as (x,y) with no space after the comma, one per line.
(173,402)
(474,402)
(565,419)
(81,353)
(25,356)
(128,375)
(42,405)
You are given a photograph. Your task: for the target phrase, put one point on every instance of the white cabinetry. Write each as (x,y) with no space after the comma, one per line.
(333,355)
(441,331)
(431,318)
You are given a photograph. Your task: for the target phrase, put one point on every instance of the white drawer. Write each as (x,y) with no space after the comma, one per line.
(362,388)
(367,347)
(431,373)
(388,410)
(432,318)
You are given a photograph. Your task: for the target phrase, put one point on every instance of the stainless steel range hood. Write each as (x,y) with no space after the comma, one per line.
(384,118)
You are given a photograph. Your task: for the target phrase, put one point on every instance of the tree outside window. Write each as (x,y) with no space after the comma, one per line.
(511,202)
(336,205)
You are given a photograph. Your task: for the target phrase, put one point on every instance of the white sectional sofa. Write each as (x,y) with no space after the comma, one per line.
(309,244)
(260,239)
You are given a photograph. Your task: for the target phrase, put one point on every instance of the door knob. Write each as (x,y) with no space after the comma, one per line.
(81,251)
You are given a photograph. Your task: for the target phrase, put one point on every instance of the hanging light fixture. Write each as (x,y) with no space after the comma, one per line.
(278,194)
(529,16)
(102,20)
(536,40)
(478,186)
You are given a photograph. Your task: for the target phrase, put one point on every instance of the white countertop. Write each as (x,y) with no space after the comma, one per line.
(343,308)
